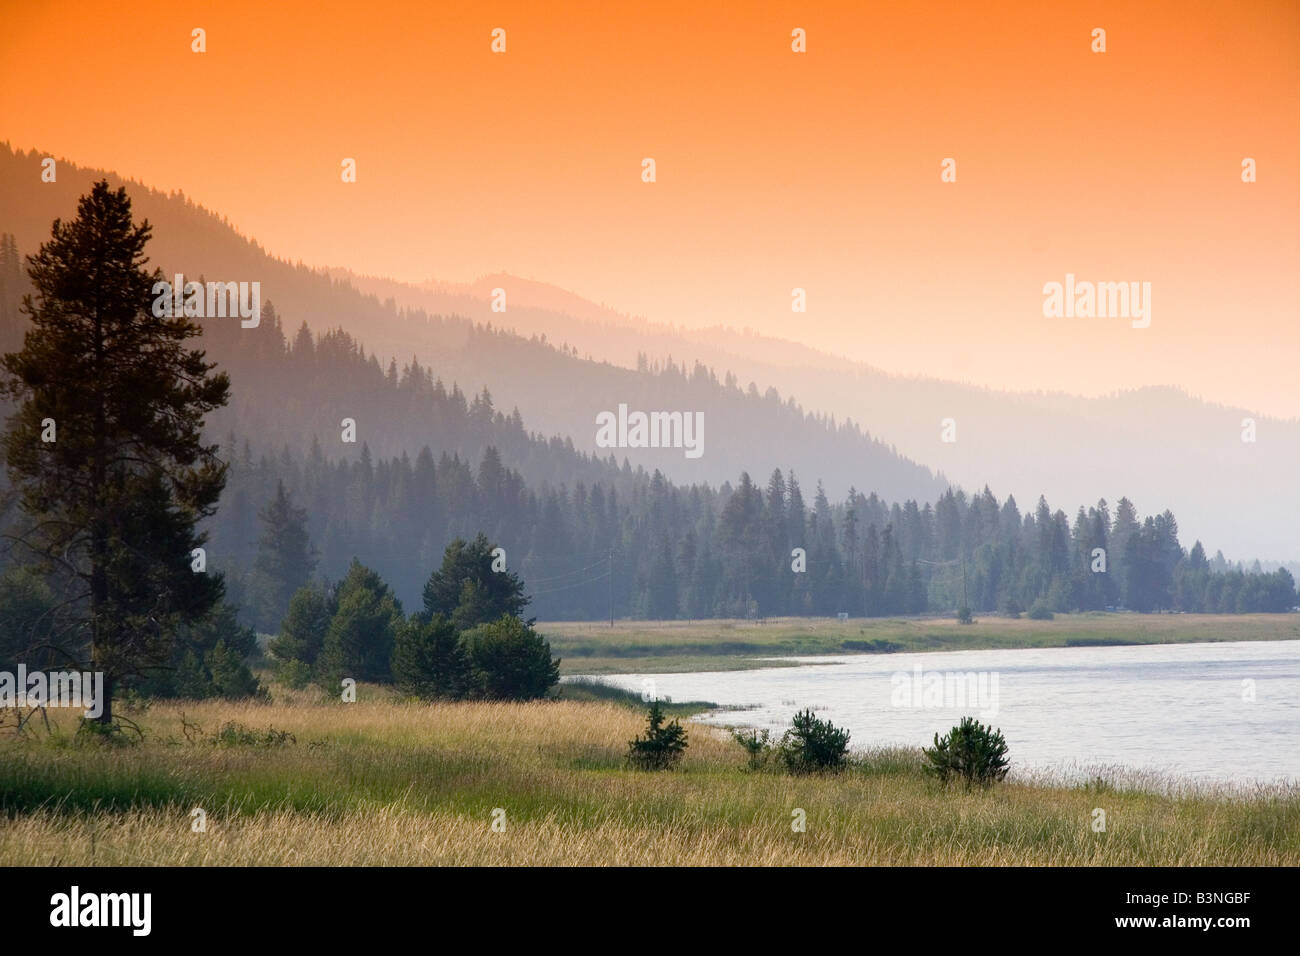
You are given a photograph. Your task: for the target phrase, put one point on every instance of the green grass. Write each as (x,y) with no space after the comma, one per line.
(389,782)
(674,646)
(595,690)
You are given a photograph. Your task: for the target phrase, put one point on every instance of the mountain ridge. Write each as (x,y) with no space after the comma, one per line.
(1158,444)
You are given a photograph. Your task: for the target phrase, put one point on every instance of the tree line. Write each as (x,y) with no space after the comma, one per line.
(650,549)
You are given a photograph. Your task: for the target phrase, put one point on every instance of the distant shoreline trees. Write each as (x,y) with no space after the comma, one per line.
(661,551)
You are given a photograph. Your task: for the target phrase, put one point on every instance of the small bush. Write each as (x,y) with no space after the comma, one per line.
(971,752)
(964,616)
(662,746)
(757,744)
(874,646)
(209,659)
(812,745)
(91,732)
(293,673)
(1040,611)
(235,734)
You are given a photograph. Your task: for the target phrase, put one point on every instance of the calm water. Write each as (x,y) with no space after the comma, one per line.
(1178,709)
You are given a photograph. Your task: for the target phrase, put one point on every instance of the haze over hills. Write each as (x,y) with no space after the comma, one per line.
(1159,446)
(555,390)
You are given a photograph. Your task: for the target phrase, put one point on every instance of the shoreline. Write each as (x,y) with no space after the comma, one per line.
(645,647)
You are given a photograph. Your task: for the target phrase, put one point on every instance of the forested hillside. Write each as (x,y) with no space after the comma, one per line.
(1158,443)
(592,536)
(560,390)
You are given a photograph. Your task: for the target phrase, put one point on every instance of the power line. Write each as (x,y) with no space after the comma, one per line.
(576,584)
(564,574)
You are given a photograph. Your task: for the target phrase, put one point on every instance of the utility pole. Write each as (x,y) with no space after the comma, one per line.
(611,587)
(965,601)
(866,598)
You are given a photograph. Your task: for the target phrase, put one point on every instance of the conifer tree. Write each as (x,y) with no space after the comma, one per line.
(106,445)
(285,558)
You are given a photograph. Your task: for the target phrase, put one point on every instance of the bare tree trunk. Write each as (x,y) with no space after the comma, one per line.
(106,717)
(99,534)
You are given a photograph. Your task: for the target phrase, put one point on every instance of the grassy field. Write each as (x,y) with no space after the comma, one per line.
(587,647)
(386,782)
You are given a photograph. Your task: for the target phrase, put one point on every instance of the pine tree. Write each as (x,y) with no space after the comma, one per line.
(429,660)
(509,661)
(359,642)
(663,744)
(467,590)
(302,632)
(118,493)
(209,659)
(285,559)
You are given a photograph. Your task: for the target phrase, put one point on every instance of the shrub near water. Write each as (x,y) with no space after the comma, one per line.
(811,745)
(1040,611)
(970,752)
(663,744)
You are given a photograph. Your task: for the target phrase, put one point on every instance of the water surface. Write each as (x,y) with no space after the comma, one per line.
(1223,712)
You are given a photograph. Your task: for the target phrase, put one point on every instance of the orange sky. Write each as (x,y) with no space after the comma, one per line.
(775,170)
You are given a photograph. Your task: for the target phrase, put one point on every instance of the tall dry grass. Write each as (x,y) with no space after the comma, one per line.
(386,782)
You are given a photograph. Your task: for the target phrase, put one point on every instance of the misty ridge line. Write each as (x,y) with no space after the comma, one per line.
(358,280)
(972,467)
(613,317)
(667,419)
(1133,294)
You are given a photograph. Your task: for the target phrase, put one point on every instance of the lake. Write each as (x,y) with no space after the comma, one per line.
(1212,713)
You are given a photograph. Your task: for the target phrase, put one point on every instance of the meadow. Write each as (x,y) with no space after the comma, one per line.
(305,780)
(587,647)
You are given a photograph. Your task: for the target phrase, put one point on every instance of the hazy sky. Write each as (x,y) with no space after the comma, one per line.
(775,169)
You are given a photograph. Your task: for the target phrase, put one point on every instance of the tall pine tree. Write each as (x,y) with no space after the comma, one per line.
(106,445)
(285,559)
